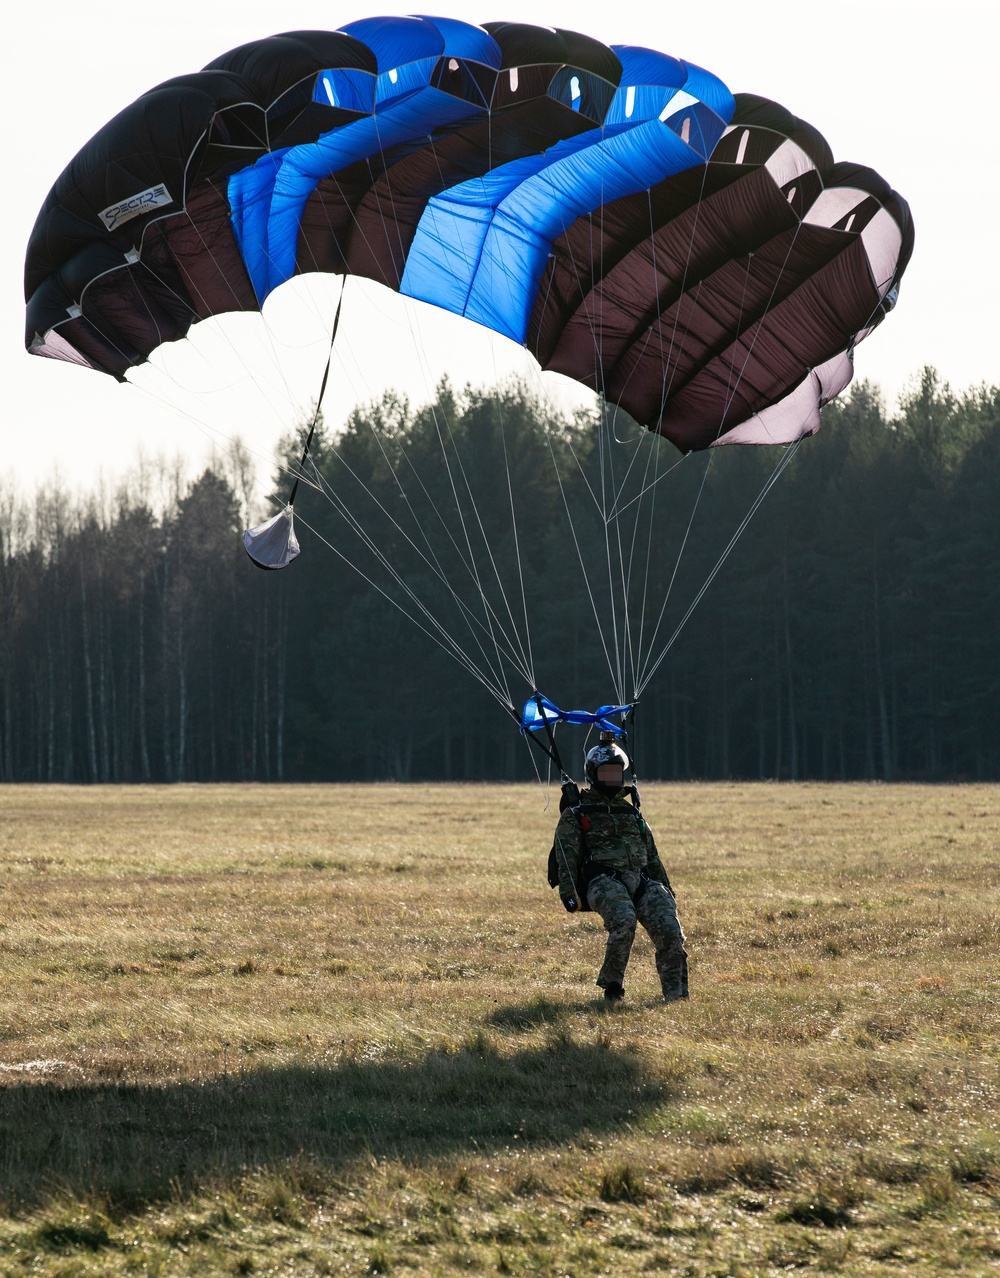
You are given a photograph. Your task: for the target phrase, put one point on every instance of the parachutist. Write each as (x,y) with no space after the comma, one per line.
(606,859)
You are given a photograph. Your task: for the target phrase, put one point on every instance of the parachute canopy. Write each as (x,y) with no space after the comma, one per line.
(697,258)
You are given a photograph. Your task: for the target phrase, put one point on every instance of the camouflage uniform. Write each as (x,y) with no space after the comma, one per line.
(616,862)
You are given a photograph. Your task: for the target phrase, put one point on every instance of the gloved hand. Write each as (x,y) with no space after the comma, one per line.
(571,904)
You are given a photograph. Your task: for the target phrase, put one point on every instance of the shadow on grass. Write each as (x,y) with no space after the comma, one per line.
(519,1018)
(132,1144)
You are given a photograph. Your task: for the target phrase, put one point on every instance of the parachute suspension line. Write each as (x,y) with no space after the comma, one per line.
(603,515)
(433,629)
(651,518)
(493,623)
(627,561)
(523,666)
(644,679)
(468,558)
(626,652)
(632,501)
(605,463)
(452,644)
(436,564)
(614,556)
(514,529)
(567,442)
(614,513)
(635,649)
(635,657)
(576,544)
(640,443)
(528,669)
(731,391)
(359,230)
(618,552)
(430,557)
(787,456)
(652,457)
(317,411)
(585,478)
(617,557)
(619,487)
(431,562)
(500,650)
(530,664)
(548,294)
(355,525)
(544,783)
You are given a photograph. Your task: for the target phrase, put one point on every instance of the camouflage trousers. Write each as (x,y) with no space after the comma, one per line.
(621,905)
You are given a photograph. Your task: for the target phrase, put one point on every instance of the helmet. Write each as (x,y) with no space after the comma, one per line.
(605,766)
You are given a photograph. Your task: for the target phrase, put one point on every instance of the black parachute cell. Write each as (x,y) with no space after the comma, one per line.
(718,292)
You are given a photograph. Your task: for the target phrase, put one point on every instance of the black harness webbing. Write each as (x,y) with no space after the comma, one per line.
(551,750)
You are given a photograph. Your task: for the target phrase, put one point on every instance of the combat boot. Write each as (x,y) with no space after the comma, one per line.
(614,992)
(673,979)
(674,985)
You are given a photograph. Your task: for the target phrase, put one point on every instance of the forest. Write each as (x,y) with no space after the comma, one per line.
(850,633)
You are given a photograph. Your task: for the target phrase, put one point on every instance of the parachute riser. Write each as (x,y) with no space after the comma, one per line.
(570,789)
(551,751)
(634,787)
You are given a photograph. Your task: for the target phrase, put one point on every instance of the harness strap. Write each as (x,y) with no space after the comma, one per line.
(591,869)
(640,892)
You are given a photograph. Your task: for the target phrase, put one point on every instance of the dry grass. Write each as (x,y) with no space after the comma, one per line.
(348,1030)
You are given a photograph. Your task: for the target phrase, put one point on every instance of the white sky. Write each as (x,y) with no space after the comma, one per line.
(899,85)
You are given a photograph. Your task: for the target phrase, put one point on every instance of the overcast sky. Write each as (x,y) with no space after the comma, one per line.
(899,85)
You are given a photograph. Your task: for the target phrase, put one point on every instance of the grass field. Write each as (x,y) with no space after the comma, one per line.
(349,1030)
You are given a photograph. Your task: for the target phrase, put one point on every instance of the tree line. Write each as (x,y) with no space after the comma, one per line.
(850,632)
